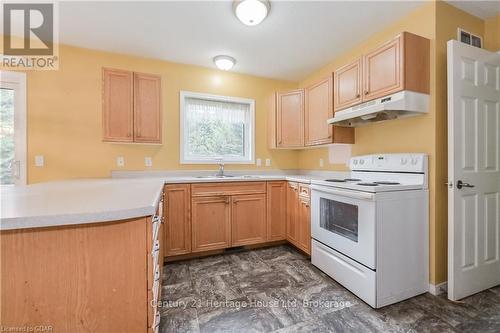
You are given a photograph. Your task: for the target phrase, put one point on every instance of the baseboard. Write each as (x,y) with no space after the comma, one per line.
(438,289)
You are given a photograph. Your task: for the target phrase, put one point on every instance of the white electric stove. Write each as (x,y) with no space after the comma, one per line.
(370,230)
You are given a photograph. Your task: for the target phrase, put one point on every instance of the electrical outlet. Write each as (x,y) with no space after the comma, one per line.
(321,163)
(259,162)
(39,161)
(148,161)
(268,162)
(120,161)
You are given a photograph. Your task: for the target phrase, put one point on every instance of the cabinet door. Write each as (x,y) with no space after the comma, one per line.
(290,119)
(211,223)
(292,198)
(117,119)
(319,108)
(382,70)
(347,85)
(304,226)
(276,211)
(177,213)
(248,223)
(147,108)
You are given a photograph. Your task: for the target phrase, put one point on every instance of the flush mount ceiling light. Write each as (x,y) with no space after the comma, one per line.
(224,62)
(251,12)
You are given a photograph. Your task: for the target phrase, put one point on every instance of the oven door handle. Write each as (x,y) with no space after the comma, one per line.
(344,193)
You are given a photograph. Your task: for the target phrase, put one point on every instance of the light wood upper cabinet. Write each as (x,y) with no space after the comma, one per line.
(402,63)
(276,210)
(347,81)
(319,108)
(211,223)
(177,214)
(290,119)
(131,107)
(118,119)
(382,70)
(248,223)
(292,199)
(147,108)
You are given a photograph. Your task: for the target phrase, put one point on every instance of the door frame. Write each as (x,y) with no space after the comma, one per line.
(17,82)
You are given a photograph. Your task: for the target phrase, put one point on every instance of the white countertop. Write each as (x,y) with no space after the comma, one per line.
(100,200)
(77,202)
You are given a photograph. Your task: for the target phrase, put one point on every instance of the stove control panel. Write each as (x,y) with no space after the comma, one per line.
(416,163)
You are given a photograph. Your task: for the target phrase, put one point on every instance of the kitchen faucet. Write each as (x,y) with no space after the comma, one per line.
(221,169)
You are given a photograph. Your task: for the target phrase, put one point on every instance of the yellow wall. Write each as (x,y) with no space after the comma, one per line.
(64,115)
(492,33)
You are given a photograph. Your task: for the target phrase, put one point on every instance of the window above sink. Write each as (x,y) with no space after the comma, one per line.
(216,128)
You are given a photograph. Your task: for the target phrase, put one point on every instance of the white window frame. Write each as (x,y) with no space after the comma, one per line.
(17,82)
(250,148)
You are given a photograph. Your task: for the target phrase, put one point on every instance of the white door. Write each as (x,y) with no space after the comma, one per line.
(12,128)
(473,169)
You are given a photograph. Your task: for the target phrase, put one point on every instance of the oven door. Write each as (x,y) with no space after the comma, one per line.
(345,221)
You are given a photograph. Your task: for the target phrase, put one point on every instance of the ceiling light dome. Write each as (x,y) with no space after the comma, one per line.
(251,12)
(224,62)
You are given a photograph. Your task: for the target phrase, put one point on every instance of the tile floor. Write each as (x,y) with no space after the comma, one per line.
(278,290)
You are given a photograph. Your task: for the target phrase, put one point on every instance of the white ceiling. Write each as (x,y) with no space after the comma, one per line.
(296,38)
(479,8)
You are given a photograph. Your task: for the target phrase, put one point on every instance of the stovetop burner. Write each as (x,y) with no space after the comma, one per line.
(342,180)
(368,184)
(387,183)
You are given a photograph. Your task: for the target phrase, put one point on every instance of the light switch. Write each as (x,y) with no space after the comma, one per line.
(39,161)
(148,161)
(259,162)
(120,161)
(268,162)
(321,163)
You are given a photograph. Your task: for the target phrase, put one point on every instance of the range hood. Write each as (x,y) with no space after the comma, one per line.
(399,105)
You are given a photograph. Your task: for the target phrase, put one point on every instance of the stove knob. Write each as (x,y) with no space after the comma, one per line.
(404,160)
(355,162)
(361,162)
(414,161)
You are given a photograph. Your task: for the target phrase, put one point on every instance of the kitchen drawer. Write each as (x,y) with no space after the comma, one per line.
(304,191)
(228,188)
(352,275)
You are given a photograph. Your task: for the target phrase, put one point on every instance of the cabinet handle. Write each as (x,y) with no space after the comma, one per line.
(129,135)
(358,96)
(366,92)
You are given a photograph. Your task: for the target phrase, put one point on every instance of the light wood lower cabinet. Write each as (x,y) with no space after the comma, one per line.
(213,216)
(304,225)
(276,210)
(96,277)
(248,222)
(211,223)
(292,197)
(177,213)
(298,227)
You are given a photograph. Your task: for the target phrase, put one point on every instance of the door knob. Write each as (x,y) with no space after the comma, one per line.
(461,184)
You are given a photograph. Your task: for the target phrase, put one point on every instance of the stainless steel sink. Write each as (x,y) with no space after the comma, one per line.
(214,176)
